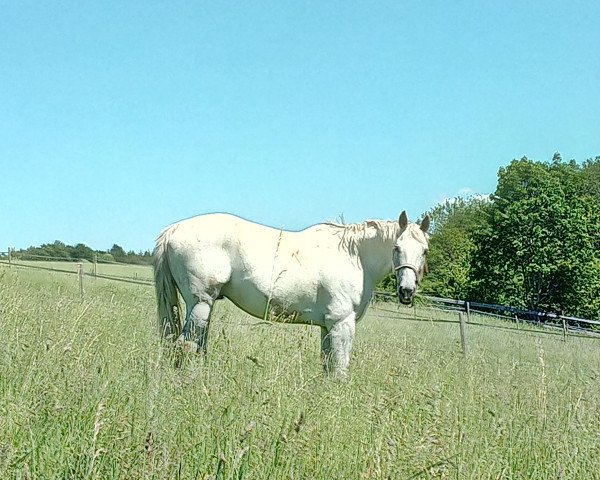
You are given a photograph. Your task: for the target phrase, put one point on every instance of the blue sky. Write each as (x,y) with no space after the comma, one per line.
(119,118)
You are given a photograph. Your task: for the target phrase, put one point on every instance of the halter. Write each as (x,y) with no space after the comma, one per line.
(418,274)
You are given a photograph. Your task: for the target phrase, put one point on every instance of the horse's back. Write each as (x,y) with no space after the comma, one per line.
(212,247)
(221,230)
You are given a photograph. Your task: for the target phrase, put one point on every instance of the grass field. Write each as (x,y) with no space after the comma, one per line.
(86,391)
(133,272)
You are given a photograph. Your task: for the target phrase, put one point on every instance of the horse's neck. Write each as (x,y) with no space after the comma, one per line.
(376,257)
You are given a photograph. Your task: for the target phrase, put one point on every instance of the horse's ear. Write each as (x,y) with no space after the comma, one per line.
(403,220)
(425,223)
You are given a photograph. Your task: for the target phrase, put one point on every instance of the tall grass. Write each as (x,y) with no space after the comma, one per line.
(86,391)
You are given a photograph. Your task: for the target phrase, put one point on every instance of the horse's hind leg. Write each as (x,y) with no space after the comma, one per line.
(325,349)
(196,324)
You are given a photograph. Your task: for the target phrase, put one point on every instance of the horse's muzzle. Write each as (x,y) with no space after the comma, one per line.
(406,295)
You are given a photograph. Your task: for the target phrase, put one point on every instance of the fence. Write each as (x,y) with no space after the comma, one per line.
(559,324)
(566,325)
(141,273)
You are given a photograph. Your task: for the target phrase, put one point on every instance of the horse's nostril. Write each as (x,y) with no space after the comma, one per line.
(405,295)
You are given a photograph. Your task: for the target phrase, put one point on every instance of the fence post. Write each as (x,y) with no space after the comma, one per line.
(463,339)
(9,258)
(468,305)
(95,265)
(564,327)
(80,265)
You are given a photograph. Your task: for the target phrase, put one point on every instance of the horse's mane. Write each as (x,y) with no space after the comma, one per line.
(352,234)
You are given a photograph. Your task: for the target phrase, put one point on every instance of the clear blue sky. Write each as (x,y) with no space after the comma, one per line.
(118,118)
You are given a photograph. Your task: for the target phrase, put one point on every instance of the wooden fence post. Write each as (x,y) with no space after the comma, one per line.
(9,258)
(468,305)
(463,339)
(81,292)
(95,265)
(565,328)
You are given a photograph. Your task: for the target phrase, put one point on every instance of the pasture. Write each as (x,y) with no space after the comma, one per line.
(86,391)
(118,270)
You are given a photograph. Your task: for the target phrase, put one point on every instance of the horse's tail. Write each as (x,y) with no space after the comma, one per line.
(167,297)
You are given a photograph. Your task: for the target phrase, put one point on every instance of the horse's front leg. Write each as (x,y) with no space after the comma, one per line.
(336,345)
(196,326)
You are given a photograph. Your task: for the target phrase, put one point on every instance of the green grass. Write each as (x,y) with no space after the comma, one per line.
(134,272)
(86,391)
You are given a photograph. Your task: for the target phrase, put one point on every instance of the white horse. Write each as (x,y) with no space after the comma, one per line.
(324,275)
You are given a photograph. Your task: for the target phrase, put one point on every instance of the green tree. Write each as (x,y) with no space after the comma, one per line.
(82,252)
(118,253)
(105,257)
(454,225)
(57,249)
(591,178)
(539,249)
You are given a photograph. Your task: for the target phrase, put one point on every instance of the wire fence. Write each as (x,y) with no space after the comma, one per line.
(136,273)
(560,324)
(464,310)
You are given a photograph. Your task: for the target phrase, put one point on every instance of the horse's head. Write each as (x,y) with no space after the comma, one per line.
(409,257)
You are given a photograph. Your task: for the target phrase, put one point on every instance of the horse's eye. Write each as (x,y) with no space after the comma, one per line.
(426,251)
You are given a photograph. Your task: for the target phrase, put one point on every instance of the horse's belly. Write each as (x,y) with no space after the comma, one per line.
(273,306)
(247,297)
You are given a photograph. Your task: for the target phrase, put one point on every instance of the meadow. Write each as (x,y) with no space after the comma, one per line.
(118,270)
(87,391)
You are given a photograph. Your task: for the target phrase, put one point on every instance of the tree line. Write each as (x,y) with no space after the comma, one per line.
(534,243)
(60,251)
